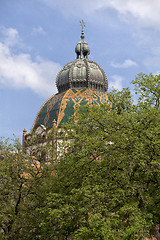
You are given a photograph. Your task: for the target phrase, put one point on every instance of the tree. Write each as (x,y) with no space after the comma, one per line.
(19,176)
(107,185)
(148,88)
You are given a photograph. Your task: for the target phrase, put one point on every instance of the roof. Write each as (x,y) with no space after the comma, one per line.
(62,106)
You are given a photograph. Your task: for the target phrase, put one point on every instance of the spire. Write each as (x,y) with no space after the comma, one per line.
(82,48)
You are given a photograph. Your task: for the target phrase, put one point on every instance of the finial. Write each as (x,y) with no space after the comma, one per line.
(82,23)
(82,48)
(24,130)
(54,123)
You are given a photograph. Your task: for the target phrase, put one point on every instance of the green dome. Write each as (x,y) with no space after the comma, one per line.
(63,105)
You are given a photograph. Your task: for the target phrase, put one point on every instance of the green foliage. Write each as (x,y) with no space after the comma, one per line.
(105,182)
(19,176)
(148,88)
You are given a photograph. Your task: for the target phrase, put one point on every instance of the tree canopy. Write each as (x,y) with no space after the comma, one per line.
(106,185)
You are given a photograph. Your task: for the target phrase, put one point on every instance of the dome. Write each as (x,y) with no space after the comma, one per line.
(63,105)
(82,73)
(80,82)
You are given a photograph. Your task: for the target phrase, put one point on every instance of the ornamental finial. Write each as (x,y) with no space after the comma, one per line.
(82,23)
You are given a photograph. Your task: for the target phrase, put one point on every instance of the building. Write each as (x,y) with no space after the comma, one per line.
(80,82)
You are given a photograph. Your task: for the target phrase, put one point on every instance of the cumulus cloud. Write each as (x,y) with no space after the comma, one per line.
(20,71)
(145,11)
(127,63)
(116,82)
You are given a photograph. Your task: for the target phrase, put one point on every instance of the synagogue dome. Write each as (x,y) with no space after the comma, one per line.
(62,106)
(80,82)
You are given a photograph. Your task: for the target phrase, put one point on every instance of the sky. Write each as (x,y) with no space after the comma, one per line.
(38,37)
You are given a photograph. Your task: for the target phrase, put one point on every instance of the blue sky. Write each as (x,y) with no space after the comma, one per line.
(38,37)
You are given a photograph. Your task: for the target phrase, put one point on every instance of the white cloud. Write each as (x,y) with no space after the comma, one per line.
(127,63)
(38,30)
(10,36)
(116,82)
(145,11)
(19,71)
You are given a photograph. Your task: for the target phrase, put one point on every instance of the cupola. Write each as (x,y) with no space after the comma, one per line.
(82,73)
(80,82)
